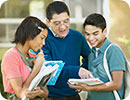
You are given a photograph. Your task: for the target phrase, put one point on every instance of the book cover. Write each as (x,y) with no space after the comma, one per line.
(56,74)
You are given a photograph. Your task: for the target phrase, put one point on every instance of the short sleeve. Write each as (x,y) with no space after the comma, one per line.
(11,65)
(116,58)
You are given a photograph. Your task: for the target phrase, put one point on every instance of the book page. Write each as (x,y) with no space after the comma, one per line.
(90,81)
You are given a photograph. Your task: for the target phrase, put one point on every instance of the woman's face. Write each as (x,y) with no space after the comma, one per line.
(38,41)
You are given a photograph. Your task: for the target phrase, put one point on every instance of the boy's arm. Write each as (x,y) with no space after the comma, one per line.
(115,84)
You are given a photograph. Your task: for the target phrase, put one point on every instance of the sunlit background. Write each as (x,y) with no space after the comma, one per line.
(116,12)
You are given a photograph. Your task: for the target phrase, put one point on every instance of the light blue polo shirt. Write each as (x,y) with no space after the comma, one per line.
(116,61)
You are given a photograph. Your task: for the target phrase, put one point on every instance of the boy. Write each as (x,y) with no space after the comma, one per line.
(95,32)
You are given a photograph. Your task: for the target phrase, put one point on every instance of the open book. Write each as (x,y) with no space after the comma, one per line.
(50,71)
(90,81)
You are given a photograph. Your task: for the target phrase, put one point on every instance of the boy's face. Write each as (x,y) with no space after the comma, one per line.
(60,24)
(95,35)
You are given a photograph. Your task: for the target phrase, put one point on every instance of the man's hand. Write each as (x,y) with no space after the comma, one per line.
(84,73)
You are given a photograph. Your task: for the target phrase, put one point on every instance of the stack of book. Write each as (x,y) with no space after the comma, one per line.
(48,75)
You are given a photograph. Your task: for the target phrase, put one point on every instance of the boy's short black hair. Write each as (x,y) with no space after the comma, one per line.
(95,20)
(56,7)
(29,28)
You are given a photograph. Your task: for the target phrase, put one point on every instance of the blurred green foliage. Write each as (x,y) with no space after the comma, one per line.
(2,51)
(128,43)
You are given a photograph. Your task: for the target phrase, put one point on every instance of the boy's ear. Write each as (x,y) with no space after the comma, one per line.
(48,22)
(105,31)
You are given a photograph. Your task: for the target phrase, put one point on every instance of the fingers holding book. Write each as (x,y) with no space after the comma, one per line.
(40,92)
(80,86)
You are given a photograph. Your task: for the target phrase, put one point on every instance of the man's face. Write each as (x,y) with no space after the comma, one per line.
(60,24)
(95,35)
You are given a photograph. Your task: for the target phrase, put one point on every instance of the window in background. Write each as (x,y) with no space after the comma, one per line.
(81,8)
(13,12)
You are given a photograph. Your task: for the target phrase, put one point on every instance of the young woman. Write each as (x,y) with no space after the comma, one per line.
(17,68)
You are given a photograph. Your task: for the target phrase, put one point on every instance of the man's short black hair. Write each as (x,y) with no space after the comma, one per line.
(56,7)
(28,29)
(95,20)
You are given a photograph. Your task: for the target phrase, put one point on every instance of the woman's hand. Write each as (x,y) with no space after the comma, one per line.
(40,59)
(84,73)
(41,92)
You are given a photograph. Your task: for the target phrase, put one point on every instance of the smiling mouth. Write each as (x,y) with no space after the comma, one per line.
(93,42)
(63,31)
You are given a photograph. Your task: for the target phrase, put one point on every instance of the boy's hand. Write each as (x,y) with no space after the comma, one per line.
(80,87)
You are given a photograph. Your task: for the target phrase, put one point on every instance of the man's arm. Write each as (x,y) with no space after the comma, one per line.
(85,51)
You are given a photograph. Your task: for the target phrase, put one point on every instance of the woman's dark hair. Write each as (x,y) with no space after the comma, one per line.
(56,7)
(95,20)
(29,28)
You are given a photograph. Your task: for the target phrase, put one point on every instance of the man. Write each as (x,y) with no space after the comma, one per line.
(67,45)
(95,32)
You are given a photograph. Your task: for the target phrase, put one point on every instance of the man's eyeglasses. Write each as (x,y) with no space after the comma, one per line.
(59,23)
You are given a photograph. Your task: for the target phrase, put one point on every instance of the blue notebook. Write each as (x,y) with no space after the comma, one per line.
(55,76)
